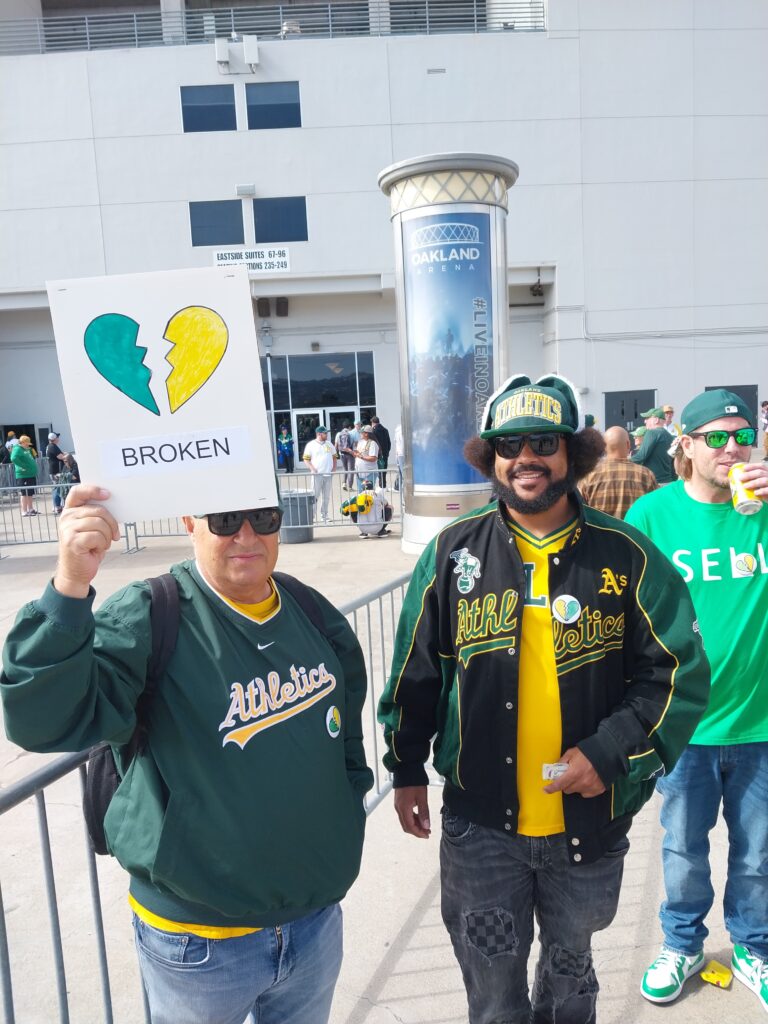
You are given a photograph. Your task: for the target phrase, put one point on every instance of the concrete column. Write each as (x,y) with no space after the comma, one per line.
(448,212)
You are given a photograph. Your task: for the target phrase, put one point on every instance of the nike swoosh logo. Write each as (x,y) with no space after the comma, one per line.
(263,647)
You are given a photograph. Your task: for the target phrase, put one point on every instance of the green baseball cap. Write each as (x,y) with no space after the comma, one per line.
(713,405)
(521,406)
(658,411)
(639,431)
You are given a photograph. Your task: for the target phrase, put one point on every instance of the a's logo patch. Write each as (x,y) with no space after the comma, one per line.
(612,584)
(333,721)
(467,569)
(745,565)
(566,609)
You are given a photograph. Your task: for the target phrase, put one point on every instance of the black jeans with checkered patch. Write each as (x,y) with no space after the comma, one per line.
(492,885)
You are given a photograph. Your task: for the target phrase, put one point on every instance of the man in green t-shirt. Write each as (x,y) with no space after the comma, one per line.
(653,452)
(723,557)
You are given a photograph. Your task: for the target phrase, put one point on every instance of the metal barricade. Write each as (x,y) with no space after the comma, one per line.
(72,982)
(16,528)
(343,485)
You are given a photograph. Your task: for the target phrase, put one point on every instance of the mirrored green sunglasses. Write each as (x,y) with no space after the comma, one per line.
(744,436)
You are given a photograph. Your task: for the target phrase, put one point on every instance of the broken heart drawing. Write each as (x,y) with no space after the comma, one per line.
(198,337)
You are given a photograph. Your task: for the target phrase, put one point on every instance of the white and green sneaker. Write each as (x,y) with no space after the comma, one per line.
(752,972)
(663,981)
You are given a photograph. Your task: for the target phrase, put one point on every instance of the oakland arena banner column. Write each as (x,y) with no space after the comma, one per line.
(448,212)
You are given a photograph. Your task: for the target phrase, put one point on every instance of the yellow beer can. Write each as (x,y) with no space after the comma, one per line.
(744,500)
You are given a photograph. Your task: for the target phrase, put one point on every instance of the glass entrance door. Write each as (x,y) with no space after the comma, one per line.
(304,423)
(337,418)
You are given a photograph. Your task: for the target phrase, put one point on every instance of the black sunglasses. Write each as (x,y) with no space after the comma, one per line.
(227,524)
(744,436)
(540,444)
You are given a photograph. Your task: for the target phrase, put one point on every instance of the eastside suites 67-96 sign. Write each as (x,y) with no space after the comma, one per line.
(264,259)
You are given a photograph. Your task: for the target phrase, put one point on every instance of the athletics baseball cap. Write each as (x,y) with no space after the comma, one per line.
(658,412)
(53,436)
(521,406)
(320,429)
(367,429)
(713,405)
(639,432)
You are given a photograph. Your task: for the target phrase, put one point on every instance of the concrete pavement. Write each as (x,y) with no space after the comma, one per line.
(398,964)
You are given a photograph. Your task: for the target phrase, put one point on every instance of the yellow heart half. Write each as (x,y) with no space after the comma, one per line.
(199,337)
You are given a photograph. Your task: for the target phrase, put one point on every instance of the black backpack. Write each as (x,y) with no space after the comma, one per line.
(102,774)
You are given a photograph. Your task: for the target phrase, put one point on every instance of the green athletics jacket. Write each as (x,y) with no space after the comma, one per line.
(246,808)
(632,673)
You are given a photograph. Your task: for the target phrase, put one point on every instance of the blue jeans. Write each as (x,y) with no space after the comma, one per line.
(704,777)
(492,884)
(282,975)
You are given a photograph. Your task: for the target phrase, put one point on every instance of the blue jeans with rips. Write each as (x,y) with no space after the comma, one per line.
(281,975)
(492,885)
(704,778)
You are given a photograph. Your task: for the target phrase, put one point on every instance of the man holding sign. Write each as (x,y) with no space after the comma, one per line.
(241,819)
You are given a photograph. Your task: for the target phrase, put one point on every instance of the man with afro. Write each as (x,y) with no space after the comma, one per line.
(549,655)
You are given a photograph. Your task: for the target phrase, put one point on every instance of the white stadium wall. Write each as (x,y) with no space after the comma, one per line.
(641,132)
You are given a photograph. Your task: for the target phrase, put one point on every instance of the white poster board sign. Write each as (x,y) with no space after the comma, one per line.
(164,393)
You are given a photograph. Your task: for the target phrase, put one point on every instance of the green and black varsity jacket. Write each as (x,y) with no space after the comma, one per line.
(632,673)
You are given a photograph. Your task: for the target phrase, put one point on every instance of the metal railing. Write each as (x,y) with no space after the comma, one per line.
(25,994)
(296,490)
(302,510)
(339,18)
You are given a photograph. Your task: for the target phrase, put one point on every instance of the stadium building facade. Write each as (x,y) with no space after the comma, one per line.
(153,136)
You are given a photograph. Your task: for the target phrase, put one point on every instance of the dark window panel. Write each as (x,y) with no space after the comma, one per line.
(367,414)
(365,379)
(217,223)
(273,105)
(280,383)
(282,219)
(323,380)
(208,108)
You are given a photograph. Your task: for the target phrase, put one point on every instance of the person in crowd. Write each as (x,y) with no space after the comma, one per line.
(285,449)
(637,436)
(55,457)
(615,482)
(25,470)
(764,426)
(320,457)
(11,439)
(383,440)
(241,819)
(370,510)
(720,555)
(669,426)
(356,433)
(366,455)
(400,455)
(550,656)
(344,446)
(654,447)
(70,475)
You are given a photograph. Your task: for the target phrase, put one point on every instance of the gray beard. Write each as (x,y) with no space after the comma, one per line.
(548,497)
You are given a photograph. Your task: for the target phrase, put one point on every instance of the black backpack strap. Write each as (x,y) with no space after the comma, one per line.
(164,624)
(305,599)
(164,621)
